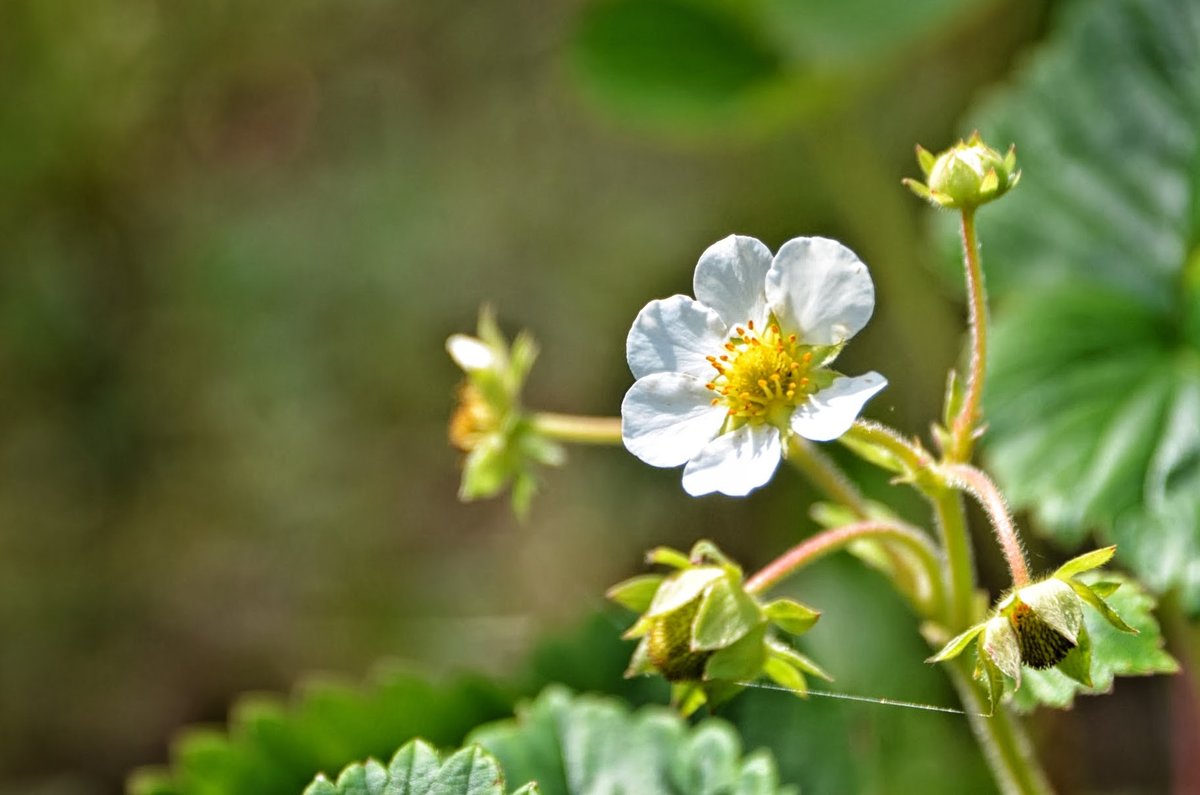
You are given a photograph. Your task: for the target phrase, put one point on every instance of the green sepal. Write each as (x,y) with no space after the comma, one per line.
(786,675)
(1105,588)
(687,697)
(1078,662)
(990,182)
(1085,562)
(796,659)
(1055,603)
(919,188)
(679,589)
(791,616)
(719,692)
(636,593)
(925,159)
(639,663)
(999,644)
(1092,598)
(741,662)
(956,646)
(726,614)
(665,556)
(992,677)
(705,551)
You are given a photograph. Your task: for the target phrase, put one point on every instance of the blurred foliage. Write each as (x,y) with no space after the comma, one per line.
(1094,401)
(686,67)
(591,744)
(270,747)
(821,743)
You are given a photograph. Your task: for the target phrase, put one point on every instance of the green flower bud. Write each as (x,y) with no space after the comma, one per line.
(966,175)
(703,632)
(503,447)
(1040,625)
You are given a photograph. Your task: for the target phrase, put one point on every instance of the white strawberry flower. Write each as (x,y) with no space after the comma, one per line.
(725,379)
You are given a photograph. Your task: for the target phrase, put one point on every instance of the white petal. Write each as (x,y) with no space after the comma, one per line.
(470,353)
(673,335)
(731,276)
(830,413)
(735,463)
(821,290)
(666,418)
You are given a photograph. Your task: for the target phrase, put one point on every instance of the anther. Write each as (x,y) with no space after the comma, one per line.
(741,331)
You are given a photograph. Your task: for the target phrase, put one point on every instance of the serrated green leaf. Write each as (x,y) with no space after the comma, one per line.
(572,744)
(1114,653)
(1094,390)
(416,769)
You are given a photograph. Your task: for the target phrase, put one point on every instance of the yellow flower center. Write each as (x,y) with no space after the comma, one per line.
(763,374)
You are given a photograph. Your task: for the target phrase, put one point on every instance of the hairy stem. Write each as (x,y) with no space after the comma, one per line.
(874,433)
(984,490)
(960,564)
(578,429)
(1005,746)
(827,541)
(962,434)
(826,476)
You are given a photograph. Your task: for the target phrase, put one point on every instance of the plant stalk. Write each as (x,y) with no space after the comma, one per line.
(578,429)
(962,433)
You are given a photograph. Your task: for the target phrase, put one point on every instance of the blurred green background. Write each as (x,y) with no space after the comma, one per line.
(235,237)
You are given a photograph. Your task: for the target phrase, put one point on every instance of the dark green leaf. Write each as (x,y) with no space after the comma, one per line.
(1094,393)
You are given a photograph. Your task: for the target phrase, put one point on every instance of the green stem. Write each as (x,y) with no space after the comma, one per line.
(962,434)
(1005,746)
(578,429)
(984,490)
(911,454)
(828,541)
(960,566)
(826,476)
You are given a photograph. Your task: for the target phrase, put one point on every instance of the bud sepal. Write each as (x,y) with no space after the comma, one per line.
(503,445)
(966,175)
(702,631)
(1041,626)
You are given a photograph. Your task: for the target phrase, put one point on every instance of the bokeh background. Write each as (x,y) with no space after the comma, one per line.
(234,238)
